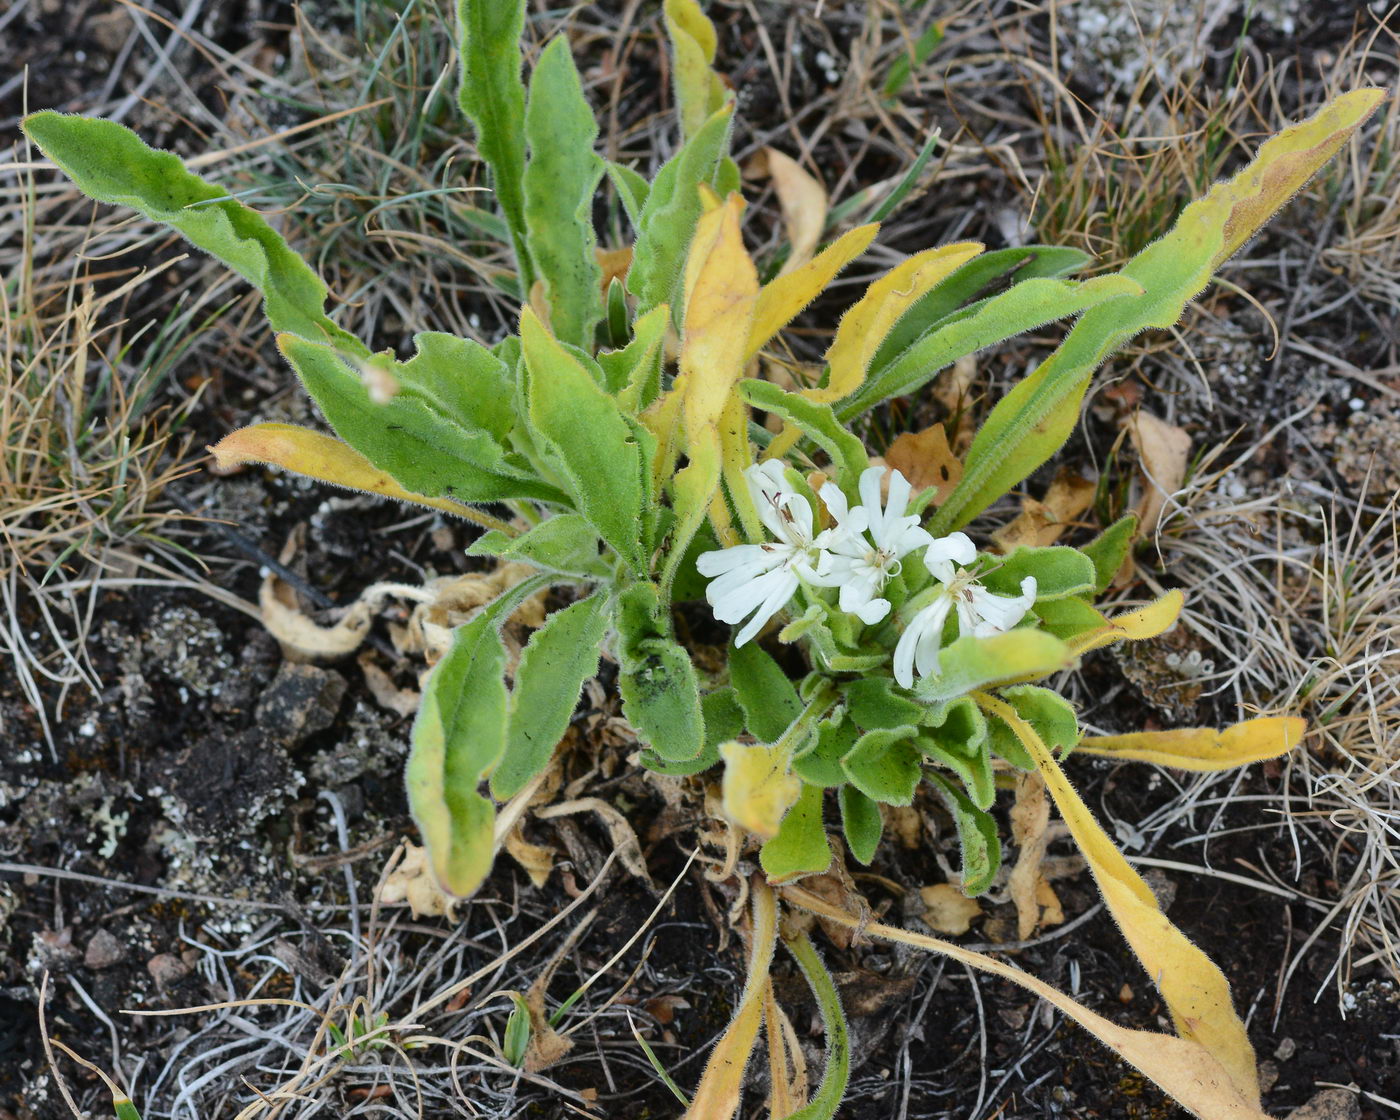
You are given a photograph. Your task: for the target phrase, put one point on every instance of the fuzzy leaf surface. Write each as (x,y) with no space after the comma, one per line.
(560,180)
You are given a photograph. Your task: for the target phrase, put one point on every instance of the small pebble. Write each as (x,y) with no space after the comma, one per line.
(103,951)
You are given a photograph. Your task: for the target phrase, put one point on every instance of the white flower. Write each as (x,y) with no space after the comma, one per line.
(868,543)
(980,612)
(759,579)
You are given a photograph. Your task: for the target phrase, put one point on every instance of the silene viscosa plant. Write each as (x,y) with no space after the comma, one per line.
(612,446)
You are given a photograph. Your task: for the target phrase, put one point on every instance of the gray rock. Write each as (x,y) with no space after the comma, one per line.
(103,951)
(300,701)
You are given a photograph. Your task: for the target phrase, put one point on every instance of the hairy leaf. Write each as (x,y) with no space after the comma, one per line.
(699,90)
(458,736)
(560,179)
(427,452)
(319,456)
(1025,306)
(1037,416)
(559,657)
(491,95)
(590,439)
(764,691)
(564,543)
(970,663)
(885,765)
(1203,748)
(800,846)
(672,208)
(977,837)
(112,164)
(861,822)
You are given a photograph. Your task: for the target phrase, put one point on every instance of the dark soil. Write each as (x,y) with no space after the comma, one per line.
(210,770)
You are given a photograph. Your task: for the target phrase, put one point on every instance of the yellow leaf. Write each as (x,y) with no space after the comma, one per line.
(758,786)
(699,89)
(783,297)
(865,325)
(804,204)
(721,288)
(1203,748)
(1284,164)
(1194,989)
(1182,1067)
(1151,620)
(717,1095)
(322,457)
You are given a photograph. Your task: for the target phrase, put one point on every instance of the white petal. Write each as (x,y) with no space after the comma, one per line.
(944,552)
(873,611)
(781,592)
(858,589)
(999,613)
(870,499)
(898,500)
(794,520)
(907,538)
(926,654)
(835,502)
(726,559)
(923,634)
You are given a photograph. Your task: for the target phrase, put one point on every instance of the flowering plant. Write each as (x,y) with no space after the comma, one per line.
(618,430)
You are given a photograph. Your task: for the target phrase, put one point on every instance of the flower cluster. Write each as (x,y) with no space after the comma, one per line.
(858,555)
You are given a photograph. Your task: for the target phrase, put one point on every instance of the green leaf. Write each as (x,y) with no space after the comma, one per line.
(837,1074)
(1109,549)
(458,736)
(800,847)
(633,374)
(559,657)
(724,720)
(977,836)
(425,451)
(885,765)
(1068,618)
(917,52)
(1059,572)
(112,164)
(564,543)
(517,1036)
(817,421)
(617,318)
(560,179)
(492,96)
(672,208)
(1033,421)
(877,702)
(861,822)
(591,441)
(462,380)
(1023,307)
(632,189)
(1049,713)
(933,310)
(769,700)
(957,739)
(818,762)
(657,680)
(970,663)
